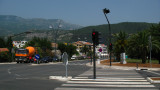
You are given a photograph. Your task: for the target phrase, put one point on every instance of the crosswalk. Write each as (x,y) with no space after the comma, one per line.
(108,81)
(84,83)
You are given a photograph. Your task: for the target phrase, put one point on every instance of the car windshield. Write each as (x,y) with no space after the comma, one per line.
(21,51)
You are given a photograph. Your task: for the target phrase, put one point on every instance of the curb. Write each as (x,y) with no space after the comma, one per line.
(153,81)
(50,63)
(60,78)
(123,67)
(9,63)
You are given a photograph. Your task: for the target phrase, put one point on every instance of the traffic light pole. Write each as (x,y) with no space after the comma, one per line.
(94,62)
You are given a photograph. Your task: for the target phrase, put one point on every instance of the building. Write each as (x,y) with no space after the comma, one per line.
(81,44)
(19,44)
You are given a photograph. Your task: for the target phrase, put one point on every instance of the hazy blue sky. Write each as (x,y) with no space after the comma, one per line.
(84,12)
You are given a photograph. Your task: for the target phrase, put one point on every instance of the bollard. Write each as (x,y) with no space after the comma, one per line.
(137,65)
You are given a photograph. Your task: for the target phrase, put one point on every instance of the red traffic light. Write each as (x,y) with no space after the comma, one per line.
(93,33)
(110,46)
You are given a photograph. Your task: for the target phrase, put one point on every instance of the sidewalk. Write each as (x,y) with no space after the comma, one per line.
(122,67)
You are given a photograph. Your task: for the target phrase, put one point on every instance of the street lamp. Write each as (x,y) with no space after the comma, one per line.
(106,11)
(56,31)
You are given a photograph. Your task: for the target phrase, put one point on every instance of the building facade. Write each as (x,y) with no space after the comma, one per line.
(19,44)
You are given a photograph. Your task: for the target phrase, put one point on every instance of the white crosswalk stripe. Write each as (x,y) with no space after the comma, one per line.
(78,83)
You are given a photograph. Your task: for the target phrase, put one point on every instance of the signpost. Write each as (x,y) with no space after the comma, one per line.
(37,56)
(65,61)
(100,50)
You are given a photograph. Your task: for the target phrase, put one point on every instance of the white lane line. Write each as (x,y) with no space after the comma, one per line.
(9,71)
(116,83)
(96,85)
(22,78)
(17,75)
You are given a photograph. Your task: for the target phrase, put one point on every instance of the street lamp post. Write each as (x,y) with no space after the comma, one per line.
(59,26)
(106,11)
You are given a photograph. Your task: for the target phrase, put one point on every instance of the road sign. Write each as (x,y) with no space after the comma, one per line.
(37,56)
(100,50)
(65,58)
(65,61)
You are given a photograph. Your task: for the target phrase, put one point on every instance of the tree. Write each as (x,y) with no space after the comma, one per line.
(120,44)
(62,47)
(155,33)
(85,49)
(9,44)
(70,49)
(43,45)
(4,56)
(2,43)
(139,43)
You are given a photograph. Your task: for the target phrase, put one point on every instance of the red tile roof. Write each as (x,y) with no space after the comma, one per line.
(3,49)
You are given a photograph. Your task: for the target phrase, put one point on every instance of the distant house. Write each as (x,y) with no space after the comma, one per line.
(3,50)
(53,45)
(81,44)
(19,44)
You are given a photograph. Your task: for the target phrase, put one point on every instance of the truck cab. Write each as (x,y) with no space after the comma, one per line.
(21,55)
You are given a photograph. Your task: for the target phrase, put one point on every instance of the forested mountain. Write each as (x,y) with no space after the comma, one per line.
(128,27)
(85,34)
(10,24)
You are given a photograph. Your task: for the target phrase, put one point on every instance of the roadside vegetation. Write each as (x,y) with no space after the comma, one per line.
(138,45)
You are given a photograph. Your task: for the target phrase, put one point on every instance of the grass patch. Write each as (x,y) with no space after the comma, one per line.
(140,61)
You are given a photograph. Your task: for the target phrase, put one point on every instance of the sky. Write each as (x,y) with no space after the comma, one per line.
(84,12)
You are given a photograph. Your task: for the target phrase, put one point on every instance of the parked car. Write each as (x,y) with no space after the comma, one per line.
(46,59)
(55,59)
(80,58)
(74,57)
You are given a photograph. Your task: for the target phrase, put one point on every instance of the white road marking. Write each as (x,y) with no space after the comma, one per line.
(22,78)
(17,75)
(99,82)
(9,72)
(101,85)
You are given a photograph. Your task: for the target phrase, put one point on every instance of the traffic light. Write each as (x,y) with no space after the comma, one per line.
(110,46)
(95,37)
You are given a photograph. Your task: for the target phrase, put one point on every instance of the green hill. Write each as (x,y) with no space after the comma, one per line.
(84,34)
(128,27)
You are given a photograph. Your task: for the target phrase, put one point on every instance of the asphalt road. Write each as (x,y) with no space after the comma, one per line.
(36,77)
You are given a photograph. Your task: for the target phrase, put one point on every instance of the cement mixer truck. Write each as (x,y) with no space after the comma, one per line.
(24,55)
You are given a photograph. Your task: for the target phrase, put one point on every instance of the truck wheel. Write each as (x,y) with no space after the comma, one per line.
(17,62)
